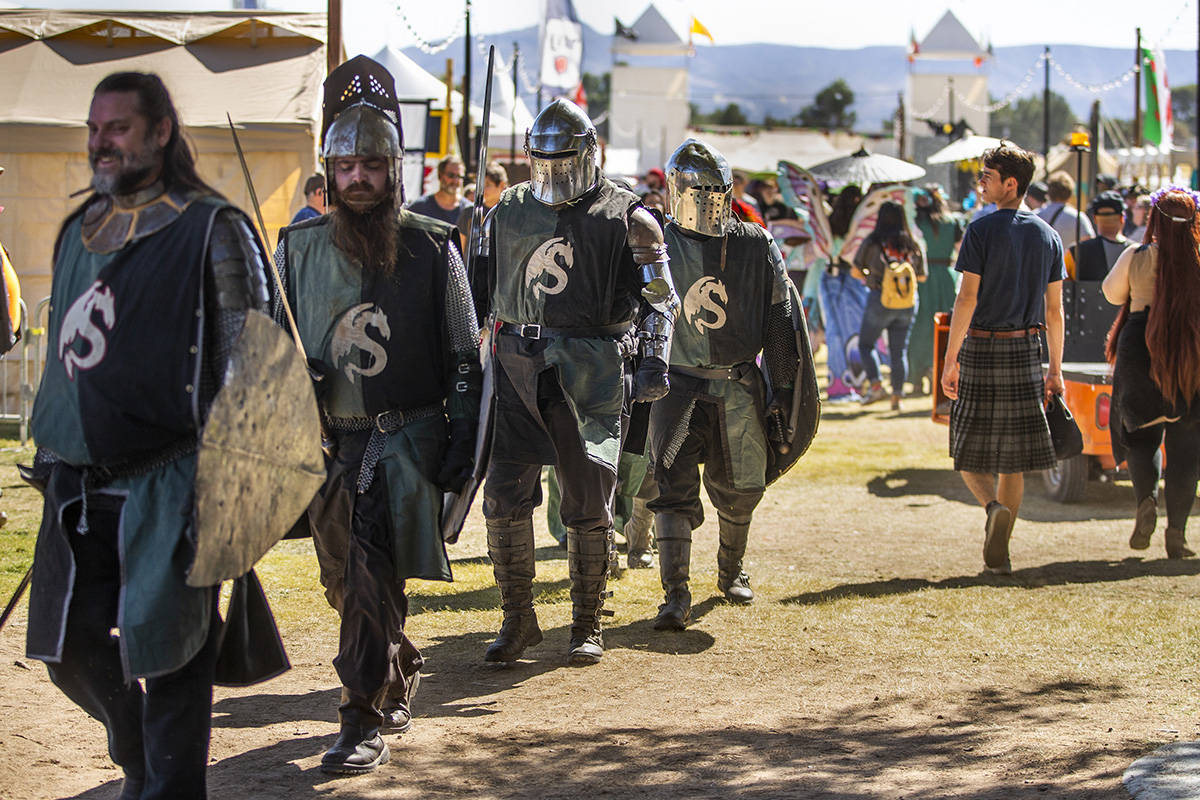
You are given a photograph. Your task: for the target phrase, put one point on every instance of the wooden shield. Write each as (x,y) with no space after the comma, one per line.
(260,460)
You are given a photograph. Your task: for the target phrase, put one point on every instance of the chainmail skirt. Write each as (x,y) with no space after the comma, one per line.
(998,424)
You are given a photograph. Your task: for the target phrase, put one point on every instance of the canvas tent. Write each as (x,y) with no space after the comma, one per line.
(265,69)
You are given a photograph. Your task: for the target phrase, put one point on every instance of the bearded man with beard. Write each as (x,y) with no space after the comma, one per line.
(155,276)
(382,303)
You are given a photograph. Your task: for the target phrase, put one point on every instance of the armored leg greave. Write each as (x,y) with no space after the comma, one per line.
(674,536)
(637,534)
(587,562)
(510,545)
(730,578)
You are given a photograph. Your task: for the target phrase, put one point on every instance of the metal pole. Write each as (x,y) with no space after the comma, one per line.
(512,139)
(950,98)
(1137,91)
(1046,112)
(900,124)
(333,35)
(1078,203)
(466,113)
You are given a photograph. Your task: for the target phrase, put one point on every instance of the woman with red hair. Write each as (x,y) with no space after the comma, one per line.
(1155,344)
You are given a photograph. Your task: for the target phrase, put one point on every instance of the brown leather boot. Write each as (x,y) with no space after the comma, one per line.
(510,546)
(1177,544)
(1144,523)
(587,564)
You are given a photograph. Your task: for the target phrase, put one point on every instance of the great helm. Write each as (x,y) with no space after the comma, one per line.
(700,185)
(362,118)
(563,153)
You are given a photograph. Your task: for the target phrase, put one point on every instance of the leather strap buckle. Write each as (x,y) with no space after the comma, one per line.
(531,331)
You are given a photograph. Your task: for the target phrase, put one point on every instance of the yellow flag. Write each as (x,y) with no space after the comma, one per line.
(699,29)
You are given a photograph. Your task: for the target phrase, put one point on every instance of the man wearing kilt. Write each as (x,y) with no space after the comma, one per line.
(1012,271)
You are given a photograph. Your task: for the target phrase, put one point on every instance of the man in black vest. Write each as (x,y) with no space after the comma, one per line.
(576,276)
(1092,259)
(383,307)
(154,276)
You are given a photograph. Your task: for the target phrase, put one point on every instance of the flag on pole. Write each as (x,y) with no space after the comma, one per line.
(562,48)
(699,29)
(1158,124)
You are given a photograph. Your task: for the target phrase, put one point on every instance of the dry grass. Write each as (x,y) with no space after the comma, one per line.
(876,663)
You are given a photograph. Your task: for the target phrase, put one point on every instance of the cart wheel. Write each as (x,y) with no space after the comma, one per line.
(1067,481)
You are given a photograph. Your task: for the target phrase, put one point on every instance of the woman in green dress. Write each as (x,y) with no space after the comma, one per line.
(942,231)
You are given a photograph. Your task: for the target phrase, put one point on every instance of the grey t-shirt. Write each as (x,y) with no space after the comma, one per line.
(1016,255)
(1064,217)
(427,205)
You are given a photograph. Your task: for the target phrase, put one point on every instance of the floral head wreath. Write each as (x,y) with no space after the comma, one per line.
(1158,195)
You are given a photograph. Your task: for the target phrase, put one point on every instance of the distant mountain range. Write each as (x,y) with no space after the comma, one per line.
(780,79)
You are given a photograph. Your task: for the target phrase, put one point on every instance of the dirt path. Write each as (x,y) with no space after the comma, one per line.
(876,664)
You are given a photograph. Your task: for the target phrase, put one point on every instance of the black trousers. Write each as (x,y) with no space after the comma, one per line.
(158,735)
(1182,470)
(513,490)
(375,659)
(679,484)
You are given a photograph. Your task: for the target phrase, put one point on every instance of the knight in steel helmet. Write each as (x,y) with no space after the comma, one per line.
(362,118)
(700,185)
(563,153)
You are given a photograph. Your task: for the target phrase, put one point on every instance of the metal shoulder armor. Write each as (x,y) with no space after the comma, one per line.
(236,260)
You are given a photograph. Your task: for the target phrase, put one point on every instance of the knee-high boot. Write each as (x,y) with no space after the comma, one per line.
(587,562)
(510,546)
(674,536)
(730,578)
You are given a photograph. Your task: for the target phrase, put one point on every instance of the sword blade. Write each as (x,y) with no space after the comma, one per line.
(283,301)
(481,171)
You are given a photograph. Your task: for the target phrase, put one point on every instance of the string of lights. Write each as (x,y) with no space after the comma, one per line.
(927,115)
(1009,98)
(425,45)
(1093,88)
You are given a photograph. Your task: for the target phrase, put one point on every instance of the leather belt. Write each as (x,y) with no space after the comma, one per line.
(1019,333)
(380,426)
(734,373)
(533,331)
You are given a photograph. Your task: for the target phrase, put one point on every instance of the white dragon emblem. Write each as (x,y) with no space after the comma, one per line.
(78,324)
(701,298)
(351,334)
(552,259)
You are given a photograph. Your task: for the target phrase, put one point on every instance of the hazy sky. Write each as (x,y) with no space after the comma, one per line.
(827,23)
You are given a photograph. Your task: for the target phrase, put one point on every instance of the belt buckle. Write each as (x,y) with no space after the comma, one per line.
(379,420)
(531,331)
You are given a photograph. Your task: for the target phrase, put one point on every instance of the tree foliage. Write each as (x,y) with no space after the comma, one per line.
(1021,121)
(830,109)
(731,114)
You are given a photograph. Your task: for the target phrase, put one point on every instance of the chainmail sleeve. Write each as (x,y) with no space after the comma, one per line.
(235,283)
(280,259)
(465,382)
(779,341)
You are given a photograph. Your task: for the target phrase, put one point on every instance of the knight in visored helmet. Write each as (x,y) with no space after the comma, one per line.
(745,424)
(381,299)
(574,276)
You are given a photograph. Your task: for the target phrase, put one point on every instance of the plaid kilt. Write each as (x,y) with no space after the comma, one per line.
(998,424)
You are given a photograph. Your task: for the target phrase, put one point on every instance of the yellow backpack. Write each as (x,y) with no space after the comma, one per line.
(899,289)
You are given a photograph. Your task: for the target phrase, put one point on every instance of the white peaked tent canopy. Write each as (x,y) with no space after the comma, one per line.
(415,83)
